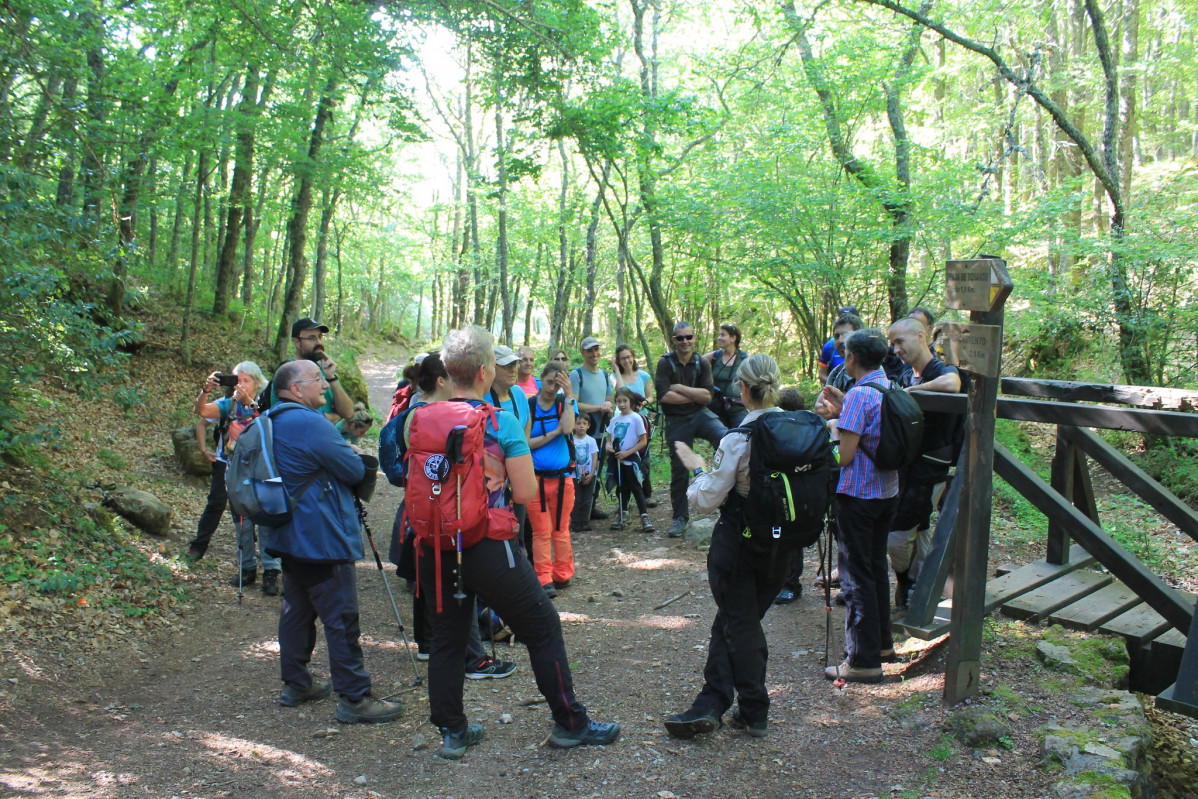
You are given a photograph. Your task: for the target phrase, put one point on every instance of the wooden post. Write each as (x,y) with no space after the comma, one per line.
(1057,550)
(963,668)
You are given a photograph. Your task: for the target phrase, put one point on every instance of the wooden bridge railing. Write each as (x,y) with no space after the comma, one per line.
(1068,499)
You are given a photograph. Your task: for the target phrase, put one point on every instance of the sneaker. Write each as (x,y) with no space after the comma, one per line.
(616,525)
(248,577)
(367,710)
(756,729)
(193,553)
(594,734)
(422,656)
(293,697)
(786,596)
(455,744)
(270,582)
(650,502)
(693,722)
(679,526)
(597,514)
(490,669)
(843,671)
(646,525)
(550,591)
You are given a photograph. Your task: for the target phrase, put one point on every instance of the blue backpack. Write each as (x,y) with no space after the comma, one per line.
(256,491)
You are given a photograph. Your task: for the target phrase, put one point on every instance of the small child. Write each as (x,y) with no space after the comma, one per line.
(628,437)
(586,459)
(789,399)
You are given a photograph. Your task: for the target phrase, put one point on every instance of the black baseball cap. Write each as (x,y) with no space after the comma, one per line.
(307,324)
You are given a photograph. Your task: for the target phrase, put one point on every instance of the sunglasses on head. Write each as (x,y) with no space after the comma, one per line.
(684,338)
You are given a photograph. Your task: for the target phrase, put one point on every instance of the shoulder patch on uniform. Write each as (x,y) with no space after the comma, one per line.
(719,456)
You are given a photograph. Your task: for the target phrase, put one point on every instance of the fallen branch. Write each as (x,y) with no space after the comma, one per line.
(672,600)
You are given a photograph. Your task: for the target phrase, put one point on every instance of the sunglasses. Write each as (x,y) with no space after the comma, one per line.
(684,338)
(561,358)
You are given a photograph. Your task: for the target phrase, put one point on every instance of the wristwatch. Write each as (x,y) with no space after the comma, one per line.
(697,472)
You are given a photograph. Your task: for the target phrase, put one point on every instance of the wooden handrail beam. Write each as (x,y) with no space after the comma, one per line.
(1139,396)
(1159,596)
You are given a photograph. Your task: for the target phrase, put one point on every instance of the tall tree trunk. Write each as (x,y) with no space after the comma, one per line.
(243,165)
(172,254)
(328,208)
(201,179)
(501,244)
(297,227)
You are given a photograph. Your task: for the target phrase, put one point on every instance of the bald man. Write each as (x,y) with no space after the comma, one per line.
(910,537)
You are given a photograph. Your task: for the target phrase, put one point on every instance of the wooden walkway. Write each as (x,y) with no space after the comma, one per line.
(1078,596)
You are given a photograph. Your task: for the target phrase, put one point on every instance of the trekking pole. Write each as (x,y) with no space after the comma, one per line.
(491,630)
(620,490)
(827,566)
(386,584)
(459,594)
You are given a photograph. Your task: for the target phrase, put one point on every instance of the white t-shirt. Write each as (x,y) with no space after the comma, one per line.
(625,429)
(584,448)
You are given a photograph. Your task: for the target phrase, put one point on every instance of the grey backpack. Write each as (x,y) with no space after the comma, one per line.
(256,491)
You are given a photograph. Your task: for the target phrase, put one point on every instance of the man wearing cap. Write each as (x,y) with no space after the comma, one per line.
(308,337)
(593,388)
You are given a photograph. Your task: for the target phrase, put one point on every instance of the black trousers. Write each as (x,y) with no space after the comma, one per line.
(499,574)
(743,584)
(865,577)
(218,497)
(700,424)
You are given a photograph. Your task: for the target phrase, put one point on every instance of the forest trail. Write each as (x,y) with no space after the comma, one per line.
(192,712)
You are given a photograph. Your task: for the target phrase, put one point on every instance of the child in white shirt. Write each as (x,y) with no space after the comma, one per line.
(586,459)
(628,438)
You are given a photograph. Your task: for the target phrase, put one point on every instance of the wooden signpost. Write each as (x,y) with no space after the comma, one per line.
(980,286)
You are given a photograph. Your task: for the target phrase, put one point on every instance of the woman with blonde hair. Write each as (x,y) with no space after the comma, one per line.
(744,576)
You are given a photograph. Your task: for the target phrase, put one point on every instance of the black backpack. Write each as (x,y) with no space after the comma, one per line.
(901,440)
(791,478)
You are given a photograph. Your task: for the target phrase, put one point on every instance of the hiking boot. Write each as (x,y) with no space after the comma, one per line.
(367,710)
(756,729)
(646,525)
(598,514)
(560,584)
(193,553)
(490,669)
(618,524)
(786,596)
(294,697)
(843,671)
(594,734)
(422,656)
(270,582)
(693,722)
(248,577)
(679,526)
(550,591)
(650,502)
(454,744)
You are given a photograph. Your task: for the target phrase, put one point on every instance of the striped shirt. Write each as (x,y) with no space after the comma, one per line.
(862,414)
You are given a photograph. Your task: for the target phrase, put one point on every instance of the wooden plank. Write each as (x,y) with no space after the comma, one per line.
(1139,396)
(1030,577)
(1140,624)
(1147,585)
(1136,420)
(1135,478)
(1005,568)
(1101,606)
(1061,479)
(940,624)
(1065,590)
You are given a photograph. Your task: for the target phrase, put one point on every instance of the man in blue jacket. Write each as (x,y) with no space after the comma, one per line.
(318,549)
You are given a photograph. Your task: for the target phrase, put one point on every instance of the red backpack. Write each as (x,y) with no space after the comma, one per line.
(446,499)
(400,401)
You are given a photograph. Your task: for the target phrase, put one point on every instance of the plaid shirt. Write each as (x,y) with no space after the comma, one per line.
(862,414)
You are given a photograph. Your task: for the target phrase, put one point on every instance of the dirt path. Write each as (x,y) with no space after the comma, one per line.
(191,712)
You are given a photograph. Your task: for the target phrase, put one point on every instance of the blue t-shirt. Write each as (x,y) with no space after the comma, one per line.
(517,404)
(555,455)
(829,356)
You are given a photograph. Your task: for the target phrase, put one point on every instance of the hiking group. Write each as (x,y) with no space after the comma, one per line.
(501,466)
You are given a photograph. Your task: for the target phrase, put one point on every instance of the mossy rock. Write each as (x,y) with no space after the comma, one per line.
(977,727)
(1098,660)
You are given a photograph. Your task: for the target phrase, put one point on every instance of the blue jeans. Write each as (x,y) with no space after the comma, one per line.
(865,577)
(245,544)
(328,591)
